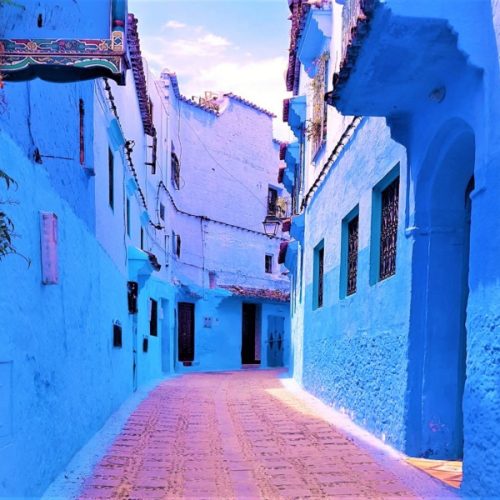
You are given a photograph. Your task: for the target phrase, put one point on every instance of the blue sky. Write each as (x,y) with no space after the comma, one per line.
(238,46)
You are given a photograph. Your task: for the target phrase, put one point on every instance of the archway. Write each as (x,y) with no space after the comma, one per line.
(440,272)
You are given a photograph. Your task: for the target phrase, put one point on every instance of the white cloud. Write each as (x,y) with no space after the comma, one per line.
(205,61)
(175,25)
(214,40)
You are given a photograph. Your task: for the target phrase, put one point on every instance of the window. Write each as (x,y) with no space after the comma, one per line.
(269,264)
(272,198)
(82,131)
(175,171)
(162,211)
(352,255)
(142,238)
(111,179)
(319,257)
(117,335)
(153,318)
(154,148)
(385,207)
(127,215)
(389,229)
(178,245)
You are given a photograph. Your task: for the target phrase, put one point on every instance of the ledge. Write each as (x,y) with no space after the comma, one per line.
(314,37)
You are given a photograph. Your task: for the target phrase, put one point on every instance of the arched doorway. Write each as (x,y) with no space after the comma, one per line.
(440,273)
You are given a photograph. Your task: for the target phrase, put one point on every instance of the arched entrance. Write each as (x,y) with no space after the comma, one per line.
(438,336)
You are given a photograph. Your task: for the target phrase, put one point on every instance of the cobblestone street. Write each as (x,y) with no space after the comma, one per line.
(240,435)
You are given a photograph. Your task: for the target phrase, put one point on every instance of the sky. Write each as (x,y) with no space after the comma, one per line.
(238,46)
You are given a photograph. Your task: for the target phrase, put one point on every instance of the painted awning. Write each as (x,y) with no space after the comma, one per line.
(80,41)
(297,115)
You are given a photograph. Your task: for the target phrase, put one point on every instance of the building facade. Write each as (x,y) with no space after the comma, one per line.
(394,282)
(107,257)
(221,186)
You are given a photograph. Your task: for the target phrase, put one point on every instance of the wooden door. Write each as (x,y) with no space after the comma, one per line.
(186,331)
(248,334)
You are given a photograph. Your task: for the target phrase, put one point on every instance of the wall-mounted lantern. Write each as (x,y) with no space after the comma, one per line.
(271,224)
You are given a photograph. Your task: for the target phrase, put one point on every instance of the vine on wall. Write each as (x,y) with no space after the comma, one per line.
(316,127)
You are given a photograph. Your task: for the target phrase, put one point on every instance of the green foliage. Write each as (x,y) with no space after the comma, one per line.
(6,225)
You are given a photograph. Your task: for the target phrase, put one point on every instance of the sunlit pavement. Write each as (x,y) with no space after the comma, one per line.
(243,435)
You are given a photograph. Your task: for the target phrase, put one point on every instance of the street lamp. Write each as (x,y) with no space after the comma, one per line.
(271,224)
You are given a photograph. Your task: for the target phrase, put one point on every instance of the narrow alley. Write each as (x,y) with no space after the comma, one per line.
(243,435)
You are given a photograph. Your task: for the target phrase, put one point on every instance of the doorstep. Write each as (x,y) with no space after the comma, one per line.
(447,471)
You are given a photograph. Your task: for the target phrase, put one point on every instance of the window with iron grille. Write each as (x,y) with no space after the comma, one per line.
(389,229)
(319,258)
(352,255)
(272,198)
(175,171)
(269,264)
(82,131)
(153,318)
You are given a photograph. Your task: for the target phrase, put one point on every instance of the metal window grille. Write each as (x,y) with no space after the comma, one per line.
(389,229)
(321,254)
(352,255)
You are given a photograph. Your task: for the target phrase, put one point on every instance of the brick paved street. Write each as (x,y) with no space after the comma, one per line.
(235,435)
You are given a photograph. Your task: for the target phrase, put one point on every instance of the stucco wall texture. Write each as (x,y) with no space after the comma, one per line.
(60,375)
(355,348)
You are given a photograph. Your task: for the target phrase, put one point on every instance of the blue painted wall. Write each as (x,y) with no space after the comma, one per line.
(57,362)
(414,358)
(354,353)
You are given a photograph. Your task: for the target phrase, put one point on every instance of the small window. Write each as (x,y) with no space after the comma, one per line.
(127,209)
(117,335)
(349,254)
(153,318)
(352,255)
(82,131)
(272,199)
(175,171)
(178,245)
(162,211)
(269,264)
(132,293)
(145,344)
(111,179)
(142,238)
(319,263)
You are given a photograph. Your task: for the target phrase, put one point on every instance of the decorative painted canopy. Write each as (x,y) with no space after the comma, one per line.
(45,42)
